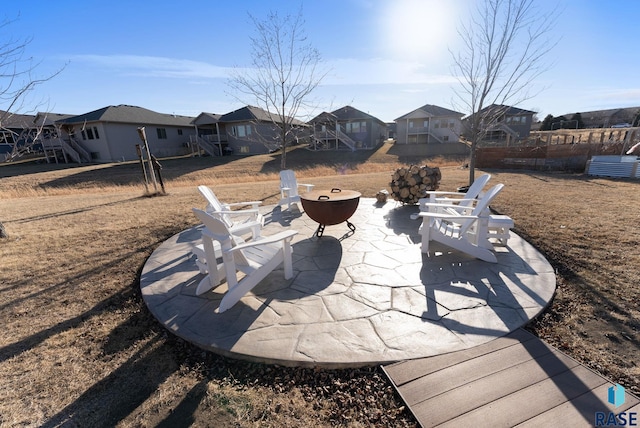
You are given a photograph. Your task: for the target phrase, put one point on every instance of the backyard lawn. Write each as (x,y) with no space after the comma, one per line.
(79,346)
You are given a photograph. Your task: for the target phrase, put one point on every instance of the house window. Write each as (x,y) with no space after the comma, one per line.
(452,124)
(89,133)
(436,124)
(445,138)
(244,149)
(241,130)
(323,128)
(84,134)
(162,133)
(411,124)
(354,127)
(425,124)
(179,131)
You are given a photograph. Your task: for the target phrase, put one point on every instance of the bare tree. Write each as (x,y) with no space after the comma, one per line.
(504,49)
(285,71)
(17,79)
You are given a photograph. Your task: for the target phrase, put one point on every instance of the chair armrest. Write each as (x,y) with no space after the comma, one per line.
(439,205)
(236,212)
(309,187)
(442,192)
(450,216)
(281,236)
(254,204)
(454,200)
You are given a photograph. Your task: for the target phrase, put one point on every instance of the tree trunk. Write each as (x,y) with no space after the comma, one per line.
(472,162)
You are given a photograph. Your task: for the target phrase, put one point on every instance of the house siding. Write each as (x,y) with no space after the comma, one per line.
(117,141)
(418,133)
(253,145)
(373,135)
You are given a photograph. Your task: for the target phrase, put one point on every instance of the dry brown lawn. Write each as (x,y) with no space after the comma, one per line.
(79,348)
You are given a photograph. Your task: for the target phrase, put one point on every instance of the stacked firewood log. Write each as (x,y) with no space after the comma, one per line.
(410,184)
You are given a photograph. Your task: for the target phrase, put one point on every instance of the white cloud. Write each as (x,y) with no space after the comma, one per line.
(135,65)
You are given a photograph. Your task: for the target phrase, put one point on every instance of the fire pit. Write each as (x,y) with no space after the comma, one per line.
(330,207)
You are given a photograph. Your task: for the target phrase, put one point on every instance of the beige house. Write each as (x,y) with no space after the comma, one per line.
(429,124)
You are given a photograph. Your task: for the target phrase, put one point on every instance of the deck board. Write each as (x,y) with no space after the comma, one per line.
(516,379)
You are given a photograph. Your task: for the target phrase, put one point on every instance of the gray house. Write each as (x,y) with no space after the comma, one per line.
(207,134)
(250,130)
(110,134)
(16,133)
(501,123)
(347,128)
(21,134)
(429,124)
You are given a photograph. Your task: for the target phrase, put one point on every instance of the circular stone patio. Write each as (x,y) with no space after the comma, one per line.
(356,299)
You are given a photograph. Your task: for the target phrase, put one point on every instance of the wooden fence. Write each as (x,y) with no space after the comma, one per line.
(569,157)
(563,150)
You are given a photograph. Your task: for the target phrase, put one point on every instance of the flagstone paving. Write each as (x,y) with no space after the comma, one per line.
(356,298)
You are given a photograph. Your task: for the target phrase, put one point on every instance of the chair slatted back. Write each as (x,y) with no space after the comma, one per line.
(288,180)
(481,206)
(215,205)
(220,232)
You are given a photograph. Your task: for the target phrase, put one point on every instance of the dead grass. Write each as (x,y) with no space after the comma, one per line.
(78,346)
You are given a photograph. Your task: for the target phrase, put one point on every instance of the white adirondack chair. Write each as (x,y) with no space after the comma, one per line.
(238,221)
(463,199)
(255,259)
(289,188)
(455,228)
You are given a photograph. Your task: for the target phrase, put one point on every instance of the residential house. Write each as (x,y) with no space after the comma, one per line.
(207,136)
(501,123)
(110,134)
(252,130)
(21,134)
(347,128)
(429,124)
(15,132)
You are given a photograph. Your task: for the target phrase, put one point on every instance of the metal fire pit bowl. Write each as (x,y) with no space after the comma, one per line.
(330,207)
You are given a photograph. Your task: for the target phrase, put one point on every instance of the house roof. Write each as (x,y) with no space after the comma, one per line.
(507,110)
(431,110)
(351,113)
(129,114)
(48,118)
(10,120)
(252,113)
(206,119)
(325,116)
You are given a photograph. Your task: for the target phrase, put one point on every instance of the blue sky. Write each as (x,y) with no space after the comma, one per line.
(384,57)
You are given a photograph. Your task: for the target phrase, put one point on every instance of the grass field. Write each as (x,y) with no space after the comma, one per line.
(79,347)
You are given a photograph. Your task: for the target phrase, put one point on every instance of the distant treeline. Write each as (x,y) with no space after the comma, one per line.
(551,123)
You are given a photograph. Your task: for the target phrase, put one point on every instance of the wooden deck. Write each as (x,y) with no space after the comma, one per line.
(516,380)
